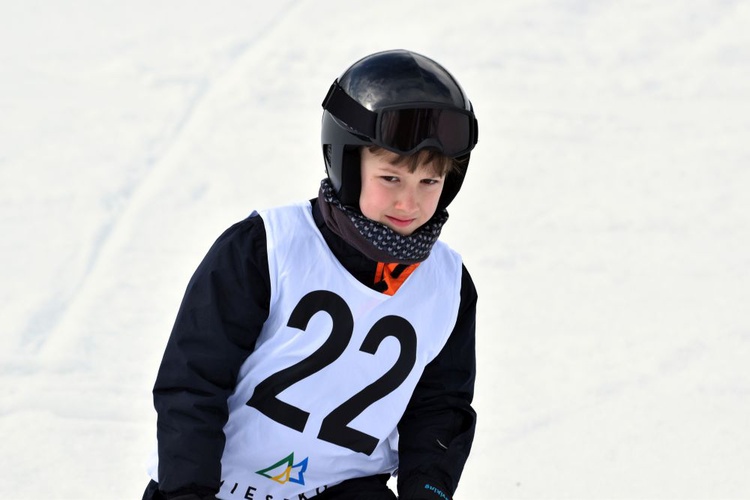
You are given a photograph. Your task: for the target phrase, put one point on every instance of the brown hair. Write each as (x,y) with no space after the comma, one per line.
(442,165)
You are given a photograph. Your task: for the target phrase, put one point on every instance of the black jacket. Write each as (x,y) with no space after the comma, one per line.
(218,323)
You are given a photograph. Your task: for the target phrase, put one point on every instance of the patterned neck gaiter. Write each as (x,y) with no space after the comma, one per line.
(375,240)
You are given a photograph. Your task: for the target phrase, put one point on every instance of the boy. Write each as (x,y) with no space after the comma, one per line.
(323,346)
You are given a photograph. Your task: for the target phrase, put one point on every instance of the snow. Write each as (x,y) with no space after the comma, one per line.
(605,219)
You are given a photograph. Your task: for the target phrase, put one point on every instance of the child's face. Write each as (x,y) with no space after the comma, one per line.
(393,196)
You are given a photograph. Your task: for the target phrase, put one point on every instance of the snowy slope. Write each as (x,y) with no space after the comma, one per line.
(605,219)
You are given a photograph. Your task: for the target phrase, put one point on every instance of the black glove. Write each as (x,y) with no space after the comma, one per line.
(195,493)
(193,496)
(423,488)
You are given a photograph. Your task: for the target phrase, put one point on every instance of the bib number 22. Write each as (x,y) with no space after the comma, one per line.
(335,426)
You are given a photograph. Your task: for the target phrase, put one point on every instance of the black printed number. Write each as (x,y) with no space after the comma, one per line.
(264,398)
(335,426)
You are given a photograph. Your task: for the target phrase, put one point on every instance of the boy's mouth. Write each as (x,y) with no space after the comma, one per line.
(399,222)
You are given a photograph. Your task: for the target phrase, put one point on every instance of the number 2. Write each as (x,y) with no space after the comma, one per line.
(335,426)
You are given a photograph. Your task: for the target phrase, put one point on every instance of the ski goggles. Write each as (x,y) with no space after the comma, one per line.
(407,128)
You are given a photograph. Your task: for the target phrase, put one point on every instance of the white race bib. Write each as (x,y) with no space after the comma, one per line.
(334,368)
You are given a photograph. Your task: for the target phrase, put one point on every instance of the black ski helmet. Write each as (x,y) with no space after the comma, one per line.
(401,101)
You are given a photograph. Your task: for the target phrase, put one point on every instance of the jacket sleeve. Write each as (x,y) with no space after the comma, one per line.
(218,323)
(437,429)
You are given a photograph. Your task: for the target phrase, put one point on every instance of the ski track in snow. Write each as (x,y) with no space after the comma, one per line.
(54,310)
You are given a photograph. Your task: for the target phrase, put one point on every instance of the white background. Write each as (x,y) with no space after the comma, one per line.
(605,219)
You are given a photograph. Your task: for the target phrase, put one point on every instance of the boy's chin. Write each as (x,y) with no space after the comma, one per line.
(402,231)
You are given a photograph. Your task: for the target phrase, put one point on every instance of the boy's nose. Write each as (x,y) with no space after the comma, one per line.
(407,200)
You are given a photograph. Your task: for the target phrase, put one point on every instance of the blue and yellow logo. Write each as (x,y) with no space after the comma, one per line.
(281,471)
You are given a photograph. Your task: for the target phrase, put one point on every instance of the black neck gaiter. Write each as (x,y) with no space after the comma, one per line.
(375,240)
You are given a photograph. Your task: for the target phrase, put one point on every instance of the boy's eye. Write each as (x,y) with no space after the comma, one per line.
(389,178)
(430,181)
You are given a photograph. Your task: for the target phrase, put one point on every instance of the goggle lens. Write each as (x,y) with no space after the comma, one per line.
(407,129)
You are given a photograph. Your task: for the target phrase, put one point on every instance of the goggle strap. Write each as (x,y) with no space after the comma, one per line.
(342,106)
